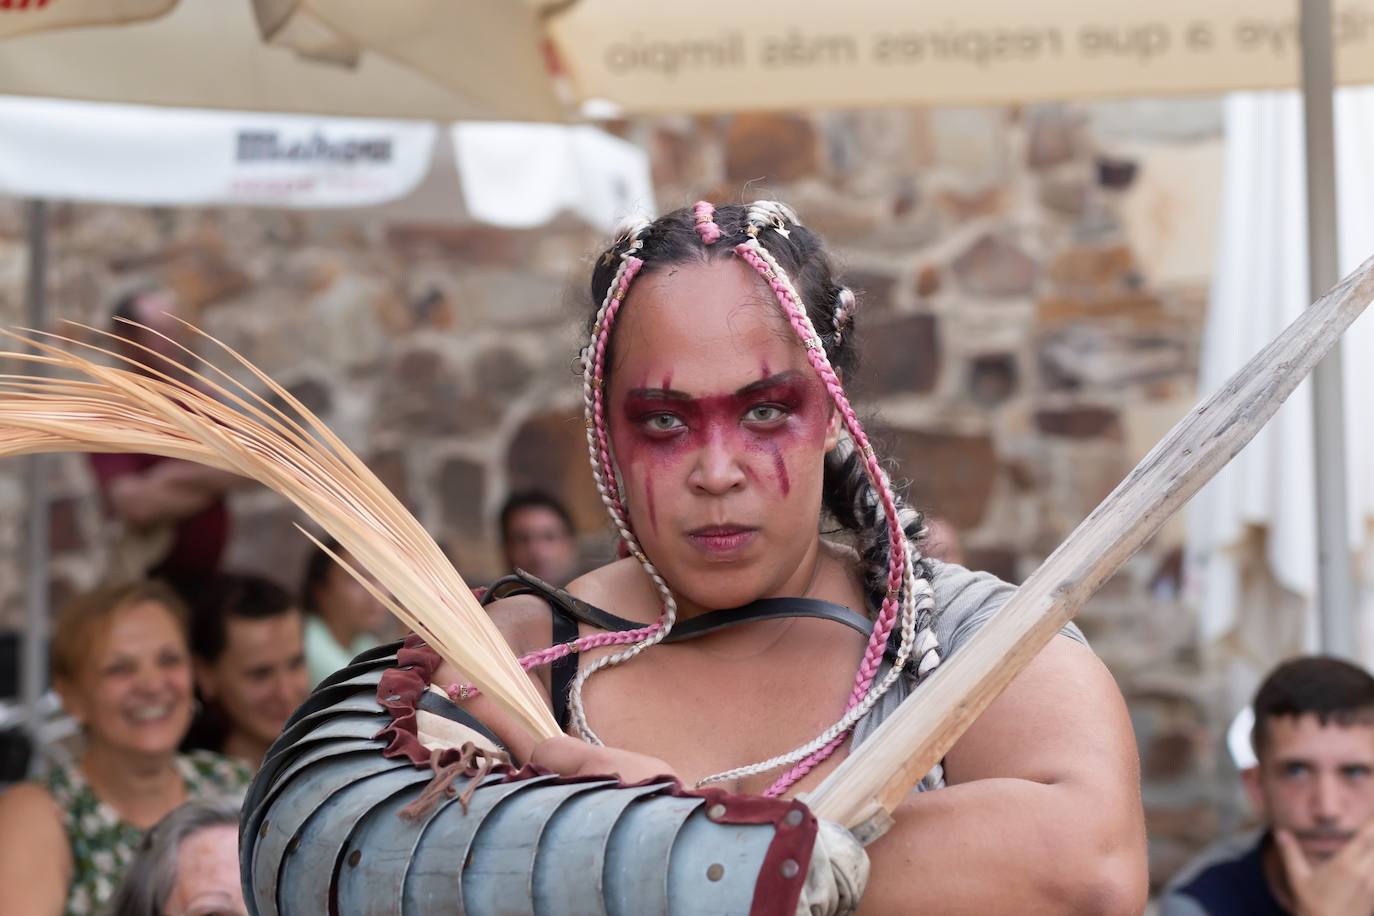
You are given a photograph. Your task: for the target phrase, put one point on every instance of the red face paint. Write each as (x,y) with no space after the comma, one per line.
(758,425)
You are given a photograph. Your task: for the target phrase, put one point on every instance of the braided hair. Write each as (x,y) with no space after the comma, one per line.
(856,491)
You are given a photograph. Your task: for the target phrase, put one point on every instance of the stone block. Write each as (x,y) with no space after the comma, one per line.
(992,378)
(481,244)
(929,281)
(1054,137)
(1079,423)
(64,527)
(1114,173)
(502,372)
(1065,196)
(462,492)
(421,395)
(999,561)
(1137,309)
(952,475)
(900,355)
(205,277)
(876,290)
(771,148)
(1093,268)
(390,468)
(969,143)
(994,266)
(1077,357)
(962,205)
(549,452)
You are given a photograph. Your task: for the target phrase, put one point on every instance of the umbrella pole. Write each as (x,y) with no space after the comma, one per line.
(33,667)
(1335,579)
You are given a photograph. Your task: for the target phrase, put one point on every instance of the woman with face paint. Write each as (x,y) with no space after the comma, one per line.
(772,606)
(723,446)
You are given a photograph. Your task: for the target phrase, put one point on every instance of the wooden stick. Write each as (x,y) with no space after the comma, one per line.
(862,792)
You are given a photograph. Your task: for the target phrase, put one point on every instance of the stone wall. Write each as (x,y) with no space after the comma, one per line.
(1032,285)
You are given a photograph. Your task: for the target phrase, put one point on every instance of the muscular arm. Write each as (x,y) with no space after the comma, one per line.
(1042,813)
(35,860)
(167,492)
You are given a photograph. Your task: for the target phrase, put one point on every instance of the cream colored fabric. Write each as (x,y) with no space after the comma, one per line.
(837,876)
(438,733)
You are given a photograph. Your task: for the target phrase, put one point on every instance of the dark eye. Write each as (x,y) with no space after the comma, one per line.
(764,413)
(1296,770)
(1355,771)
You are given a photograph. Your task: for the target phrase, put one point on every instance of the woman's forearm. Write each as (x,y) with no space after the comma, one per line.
(1004,846)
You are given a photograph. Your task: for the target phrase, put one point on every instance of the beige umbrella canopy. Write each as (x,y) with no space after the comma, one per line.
(459,59)
(427,59)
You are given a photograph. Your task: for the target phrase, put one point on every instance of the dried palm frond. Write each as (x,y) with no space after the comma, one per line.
(165,407)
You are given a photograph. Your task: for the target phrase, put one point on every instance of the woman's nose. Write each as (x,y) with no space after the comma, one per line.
(718,468)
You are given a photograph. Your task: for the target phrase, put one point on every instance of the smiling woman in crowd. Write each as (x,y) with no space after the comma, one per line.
(121,664)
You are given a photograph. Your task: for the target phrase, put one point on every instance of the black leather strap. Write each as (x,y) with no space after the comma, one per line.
(568,611)
(443,706)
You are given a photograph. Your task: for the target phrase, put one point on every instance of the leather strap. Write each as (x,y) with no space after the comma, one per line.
(568,611)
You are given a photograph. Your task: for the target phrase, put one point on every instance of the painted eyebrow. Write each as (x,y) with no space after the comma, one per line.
(672,394)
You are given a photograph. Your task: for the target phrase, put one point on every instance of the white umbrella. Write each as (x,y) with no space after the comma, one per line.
(1260,283)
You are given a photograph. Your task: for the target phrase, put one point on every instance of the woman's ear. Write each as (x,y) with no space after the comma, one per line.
(71,699)
(833,428)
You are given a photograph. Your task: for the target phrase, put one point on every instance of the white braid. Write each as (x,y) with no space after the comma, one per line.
(576,709)
(924,600)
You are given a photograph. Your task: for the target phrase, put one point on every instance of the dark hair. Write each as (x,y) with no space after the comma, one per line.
(152,874)
(1329,688)
(847,494)
(317,571)
(532,499)
(232,595)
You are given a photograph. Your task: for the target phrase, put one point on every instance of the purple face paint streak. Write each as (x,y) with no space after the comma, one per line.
(649,502)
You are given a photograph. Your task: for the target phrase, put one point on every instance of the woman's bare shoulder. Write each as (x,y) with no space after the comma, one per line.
(30,819)
(617,588)
(523,620)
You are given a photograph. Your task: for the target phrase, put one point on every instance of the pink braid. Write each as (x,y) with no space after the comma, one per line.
(632,266)
(887,615)
(705,212)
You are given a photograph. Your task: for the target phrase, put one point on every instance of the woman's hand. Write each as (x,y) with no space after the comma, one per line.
(568,756)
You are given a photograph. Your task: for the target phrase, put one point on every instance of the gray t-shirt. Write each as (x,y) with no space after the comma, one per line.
(964,601)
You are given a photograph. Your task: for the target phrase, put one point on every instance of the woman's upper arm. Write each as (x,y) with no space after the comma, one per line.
(1061,721)
(35,860)
(524,621)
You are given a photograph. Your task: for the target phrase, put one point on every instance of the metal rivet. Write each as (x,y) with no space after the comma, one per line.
(393,698)
(356,856)
(715,872)
(794,817)
(263,831)
(293,845)
(717,812)
(790,868)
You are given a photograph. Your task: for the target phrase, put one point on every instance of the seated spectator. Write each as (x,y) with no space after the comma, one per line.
(1313,789)
(168,516)
(342,616)
(248,641)
(188,864)
(942,542)
(537,536)
(121,664)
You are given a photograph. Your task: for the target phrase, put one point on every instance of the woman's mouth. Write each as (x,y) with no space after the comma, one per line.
(722,539)
(150,713)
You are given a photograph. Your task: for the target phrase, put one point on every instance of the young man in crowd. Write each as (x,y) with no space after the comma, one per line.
(1313,789)
(248,640)
(537,536)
